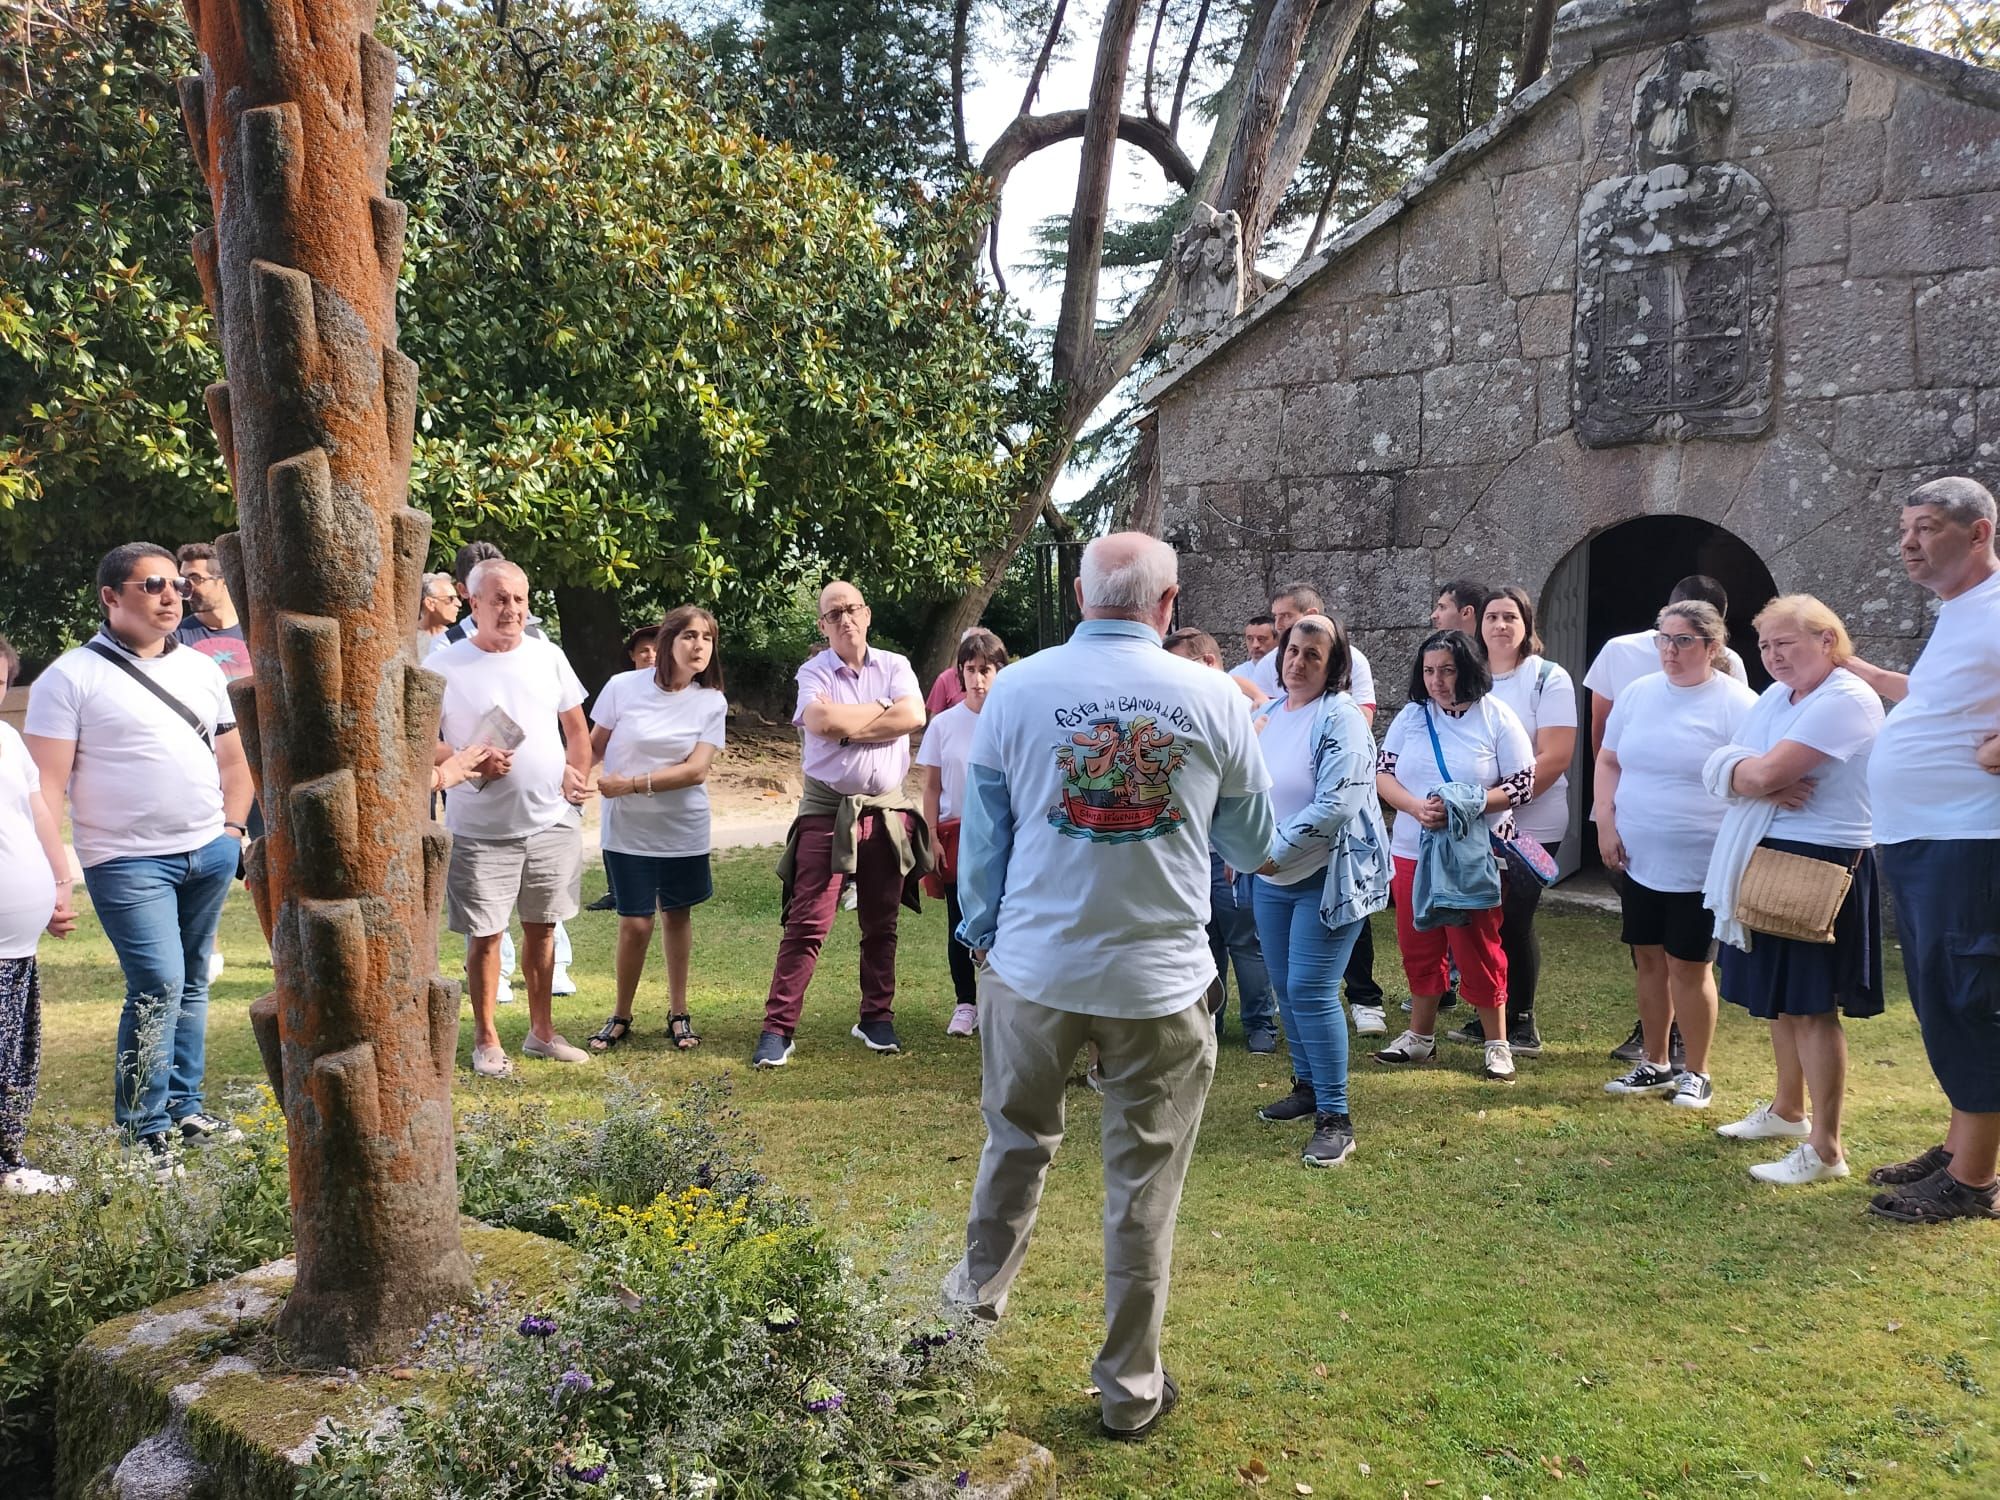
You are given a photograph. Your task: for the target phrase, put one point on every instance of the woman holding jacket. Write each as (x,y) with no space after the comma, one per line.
(1328,870)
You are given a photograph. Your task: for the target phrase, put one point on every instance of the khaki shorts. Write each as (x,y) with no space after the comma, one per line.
(541,874)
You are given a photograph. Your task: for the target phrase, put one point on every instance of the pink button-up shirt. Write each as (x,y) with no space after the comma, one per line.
(851,770)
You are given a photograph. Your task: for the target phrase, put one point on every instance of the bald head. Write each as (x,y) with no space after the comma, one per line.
(843,620)
(1129,575)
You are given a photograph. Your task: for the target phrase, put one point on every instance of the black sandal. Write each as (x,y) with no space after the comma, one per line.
(611,1033)
(680,1031)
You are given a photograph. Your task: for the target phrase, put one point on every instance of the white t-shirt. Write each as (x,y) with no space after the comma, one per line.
(1116,754)
(947,743)
(1263,675)
(1663,735)
(1484,746)
(532,684)
(143,783)
(1543,696)
(1285,735)
(28,885)
(1840,718)
(1924,779)
(651,729)
(1624,659)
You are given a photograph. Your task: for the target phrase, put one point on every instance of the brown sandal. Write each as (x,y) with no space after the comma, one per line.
(680,1031)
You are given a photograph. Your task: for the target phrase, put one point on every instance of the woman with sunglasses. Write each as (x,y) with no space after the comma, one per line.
(1657,824)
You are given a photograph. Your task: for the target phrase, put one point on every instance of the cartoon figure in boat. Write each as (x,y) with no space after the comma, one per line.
(1118,782)
(1153,757)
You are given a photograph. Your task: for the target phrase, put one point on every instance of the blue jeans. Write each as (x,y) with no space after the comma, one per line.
(1232,935)
(160,912)
(1306,960)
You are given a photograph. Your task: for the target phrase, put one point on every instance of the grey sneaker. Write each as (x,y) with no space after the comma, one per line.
(1332,1141)
(1261,1042)
(1471,1034)
(1645,1078)
(1524,1038)
(1297,1105)
(1693,1091)
(877,1036)
(1633,1048)
(773,1051)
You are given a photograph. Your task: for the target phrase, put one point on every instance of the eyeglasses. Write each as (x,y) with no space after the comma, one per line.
(197,578)
(157,584)
(842,612)
(1676,642)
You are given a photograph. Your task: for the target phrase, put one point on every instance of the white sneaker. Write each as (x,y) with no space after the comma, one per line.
(555,1049)
(1762,1124)
(215,964)
(491,1062)
(1369,1021)
(1799,1165)
(504,995)
(850,897)
(26,1182)
(964,1021)
(1408,1048)
(561,983)
(1499,1062)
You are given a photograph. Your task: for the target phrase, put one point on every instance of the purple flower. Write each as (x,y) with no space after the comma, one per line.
(570,1382)
(827,1403)
(964,1478)
(535,1326)
(590,1475)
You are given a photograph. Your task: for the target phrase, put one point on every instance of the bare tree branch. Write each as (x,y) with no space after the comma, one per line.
(1056,521)
(1042,62)
(1152,56)
(1348,117)
(1537,26)
(1868,15)
(1187,66)
(960,15)
(1334,26)
(1027,134)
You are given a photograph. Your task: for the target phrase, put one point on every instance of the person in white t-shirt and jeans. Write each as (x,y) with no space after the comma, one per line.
(658,730)
(942,759)
(138,731)
(1934,785)
(1100,772)
(517,838)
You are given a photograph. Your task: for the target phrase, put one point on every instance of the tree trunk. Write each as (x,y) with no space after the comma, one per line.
(593,634)
(1537,27)
(289,121)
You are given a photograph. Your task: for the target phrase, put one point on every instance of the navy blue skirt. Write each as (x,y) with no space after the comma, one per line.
(1784,977)
(643,884)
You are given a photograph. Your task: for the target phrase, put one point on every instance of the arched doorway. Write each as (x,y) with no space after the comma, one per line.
(1615,583)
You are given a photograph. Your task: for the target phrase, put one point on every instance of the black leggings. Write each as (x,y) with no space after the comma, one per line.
(964,978)
(1520,895)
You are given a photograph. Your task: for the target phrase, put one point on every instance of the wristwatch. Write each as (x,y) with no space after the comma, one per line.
(241,831)
(887,703)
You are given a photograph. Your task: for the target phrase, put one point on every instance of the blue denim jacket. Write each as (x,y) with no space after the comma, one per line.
(1456,871)
(1344,818)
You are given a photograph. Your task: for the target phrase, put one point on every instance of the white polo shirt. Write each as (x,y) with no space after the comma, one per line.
(142,783)
(532,684)
(1115,754)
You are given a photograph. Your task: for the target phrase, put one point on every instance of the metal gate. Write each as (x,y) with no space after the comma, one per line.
(1057,567)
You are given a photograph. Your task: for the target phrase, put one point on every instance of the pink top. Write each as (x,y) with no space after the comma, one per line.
(865,770)
(946,692)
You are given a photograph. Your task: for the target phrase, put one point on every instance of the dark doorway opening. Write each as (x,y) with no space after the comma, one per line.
(1616,583)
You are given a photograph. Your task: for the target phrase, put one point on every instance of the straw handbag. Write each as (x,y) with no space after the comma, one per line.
(1791,895)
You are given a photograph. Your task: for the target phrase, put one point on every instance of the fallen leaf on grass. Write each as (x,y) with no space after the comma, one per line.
(1739,1328)
(1894,1326)
(1320,1370)
(1253,1473)
(1302,1488)
(1603,1161)
(402,1372)
(1091,1390)
(1555,1468)
(1344,1317)
(1431,1484)
(1365,1470)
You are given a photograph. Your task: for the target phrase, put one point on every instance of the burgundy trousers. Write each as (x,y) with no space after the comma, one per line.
(878,886)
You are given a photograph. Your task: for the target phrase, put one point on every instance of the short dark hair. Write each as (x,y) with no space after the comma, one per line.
(978,644)
(640,636)
(1531,643)
(1964,501)
(1701,586)
(1200,642)
(1259,620)
(1475,680)
(117,564)
(1339,656)
(470,556)
(676,621)
(189,552)
(1465,593)
(1304,595)
(10,663)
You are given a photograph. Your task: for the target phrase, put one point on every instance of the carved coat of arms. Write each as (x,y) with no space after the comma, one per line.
(1676,278)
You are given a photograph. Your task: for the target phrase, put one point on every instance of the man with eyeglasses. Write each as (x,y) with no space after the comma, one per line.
(857,705)
(210,624)
(137,730)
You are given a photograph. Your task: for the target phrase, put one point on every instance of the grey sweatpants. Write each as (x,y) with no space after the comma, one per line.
(1156,1077)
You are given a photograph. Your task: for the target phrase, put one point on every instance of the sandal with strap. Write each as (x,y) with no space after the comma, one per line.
(680,1031)
(611,1033)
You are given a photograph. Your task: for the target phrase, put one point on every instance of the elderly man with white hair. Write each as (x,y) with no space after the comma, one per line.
(1100,773)
(517,833)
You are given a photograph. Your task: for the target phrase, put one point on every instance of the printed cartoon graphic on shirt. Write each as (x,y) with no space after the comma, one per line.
(1118,781)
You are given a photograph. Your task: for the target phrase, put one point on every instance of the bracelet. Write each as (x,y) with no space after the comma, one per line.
(649,783)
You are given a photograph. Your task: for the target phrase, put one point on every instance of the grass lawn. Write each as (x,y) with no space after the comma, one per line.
(1507,1291)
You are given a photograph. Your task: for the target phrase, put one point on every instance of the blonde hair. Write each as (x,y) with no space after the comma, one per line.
(1706,619)
(1811,616)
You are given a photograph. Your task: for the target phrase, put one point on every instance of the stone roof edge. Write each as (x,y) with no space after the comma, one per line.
(1962,80)
(1469,148)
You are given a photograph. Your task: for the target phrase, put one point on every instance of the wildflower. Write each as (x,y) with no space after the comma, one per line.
(590,1475)
(535,1326)
(570,1382)
(702,1484)
(780,1317)
(964,1478)
(821,1397)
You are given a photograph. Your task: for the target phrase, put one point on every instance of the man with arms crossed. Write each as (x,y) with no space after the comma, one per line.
(1100,772)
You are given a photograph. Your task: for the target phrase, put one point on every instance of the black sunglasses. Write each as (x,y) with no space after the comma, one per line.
(157,584)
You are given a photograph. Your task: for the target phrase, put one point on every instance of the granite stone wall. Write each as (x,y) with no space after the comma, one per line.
(1400,413)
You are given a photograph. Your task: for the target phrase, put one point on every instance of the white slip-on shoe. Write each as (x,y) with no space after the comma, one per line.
(491,1062)
(1763,1124)
(555,1049)
(1798,1166)
(1369,1021)
(26,1182)
(560,983)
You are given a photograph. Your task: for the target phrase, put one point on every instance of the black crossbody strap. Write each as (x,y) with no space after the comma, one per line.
(193,721)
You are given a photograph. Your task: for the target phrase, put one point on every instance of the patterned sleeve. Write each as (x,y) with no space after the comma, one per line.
(1514,752)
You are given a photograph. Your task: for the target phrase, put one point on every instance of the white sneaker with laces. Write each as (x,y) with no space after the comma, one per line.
(1499,1062)
(561,983)
(964,1021)
(215,964)
(26,1182)
(1692,1090)
(491,1062)
(1798,1166)
(1409,1048)
(555,1049)
(1644,1078)
(1764,1124)
(1369,1021)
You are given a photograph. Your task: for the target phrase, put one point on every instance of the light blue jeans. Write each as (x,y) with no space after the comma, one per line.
(1306,960)
(160,912)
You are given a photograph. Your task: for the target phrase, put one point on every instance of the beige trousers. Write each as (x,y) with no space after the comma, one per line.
(1156,1078)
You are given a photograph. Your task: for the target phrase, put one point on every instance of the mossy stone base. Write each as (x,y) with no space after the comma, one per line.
(189,1400)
